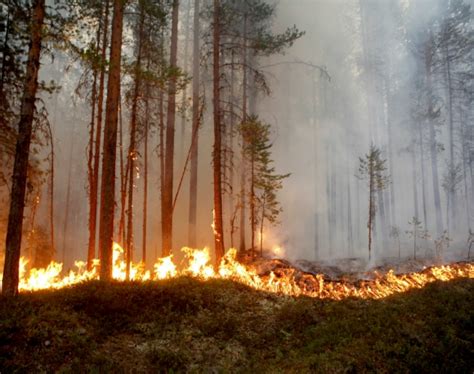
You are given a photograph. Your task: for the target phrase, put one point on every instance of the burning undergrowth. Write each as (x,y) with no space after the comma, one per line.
(269,275)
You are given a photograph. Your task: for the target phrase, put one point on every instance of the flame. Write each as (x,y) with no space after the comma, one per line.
(165,268)
(198,264)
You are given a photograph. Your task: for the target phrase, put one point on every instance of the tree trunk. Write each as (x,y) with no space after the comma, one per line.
(315,125)
(383,220)
(423,184)
(5,46)
(123,180)
(51,192)
(68,195)
(90,168)
(167,203)
(243,190)
(218,225)
(145,175)
(261,227)
(22,151)
(413,177)
(195,131)
(231,151)
(98,134)
(464,150)
(333,201)
(433,142)
(253,218)
(161,153)
(132,151)
(185,65)
(358,214)
(449,93)
(415,234)
(390,149)
(328,197)
(350,240)
(371,210)
(106,227)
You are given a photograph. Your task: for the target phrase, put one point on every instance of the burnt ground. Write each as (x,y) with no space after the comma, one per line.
(186,325)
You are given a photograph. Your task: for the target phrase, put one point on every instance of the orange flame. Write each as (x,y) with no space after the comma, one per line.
(199,266)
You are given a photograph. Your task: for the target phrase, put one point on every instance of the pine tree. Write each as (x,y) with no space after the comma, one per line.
(417,232)
(372,168)
(263,181)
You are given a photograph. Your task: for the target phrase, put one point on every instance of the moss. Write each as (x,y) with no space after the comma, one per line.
(219,326)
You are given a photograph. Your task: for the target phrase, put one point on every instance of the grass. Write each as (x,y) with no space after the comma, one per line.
(184,325)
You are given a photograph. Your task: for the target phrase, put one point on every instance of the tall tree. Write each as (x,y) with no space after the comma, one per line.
(263,181)
(20,169)
(107,204)
(217,149)
(167,201)
(372,168)
(193,183)
(132,150)
(97,143)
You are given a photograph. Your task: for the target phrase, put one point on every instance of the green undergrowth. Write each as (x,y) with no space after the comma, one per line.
(185,325)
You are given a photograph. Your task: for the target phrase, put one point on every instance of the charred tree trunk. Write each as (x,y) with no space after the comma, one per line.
(107,206)
(167,202)
(195,131)
(218,224)
(22,151)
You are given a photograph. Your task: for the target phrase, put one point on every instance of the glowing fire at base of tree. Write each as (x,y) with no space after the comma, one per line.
(199,266)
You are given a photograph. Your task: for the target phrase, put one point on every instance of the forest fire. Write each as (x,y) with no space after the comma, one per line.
(198,265)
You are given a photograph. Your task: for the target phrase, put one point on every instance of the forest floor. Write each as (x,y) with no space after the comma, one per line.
(186,325)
